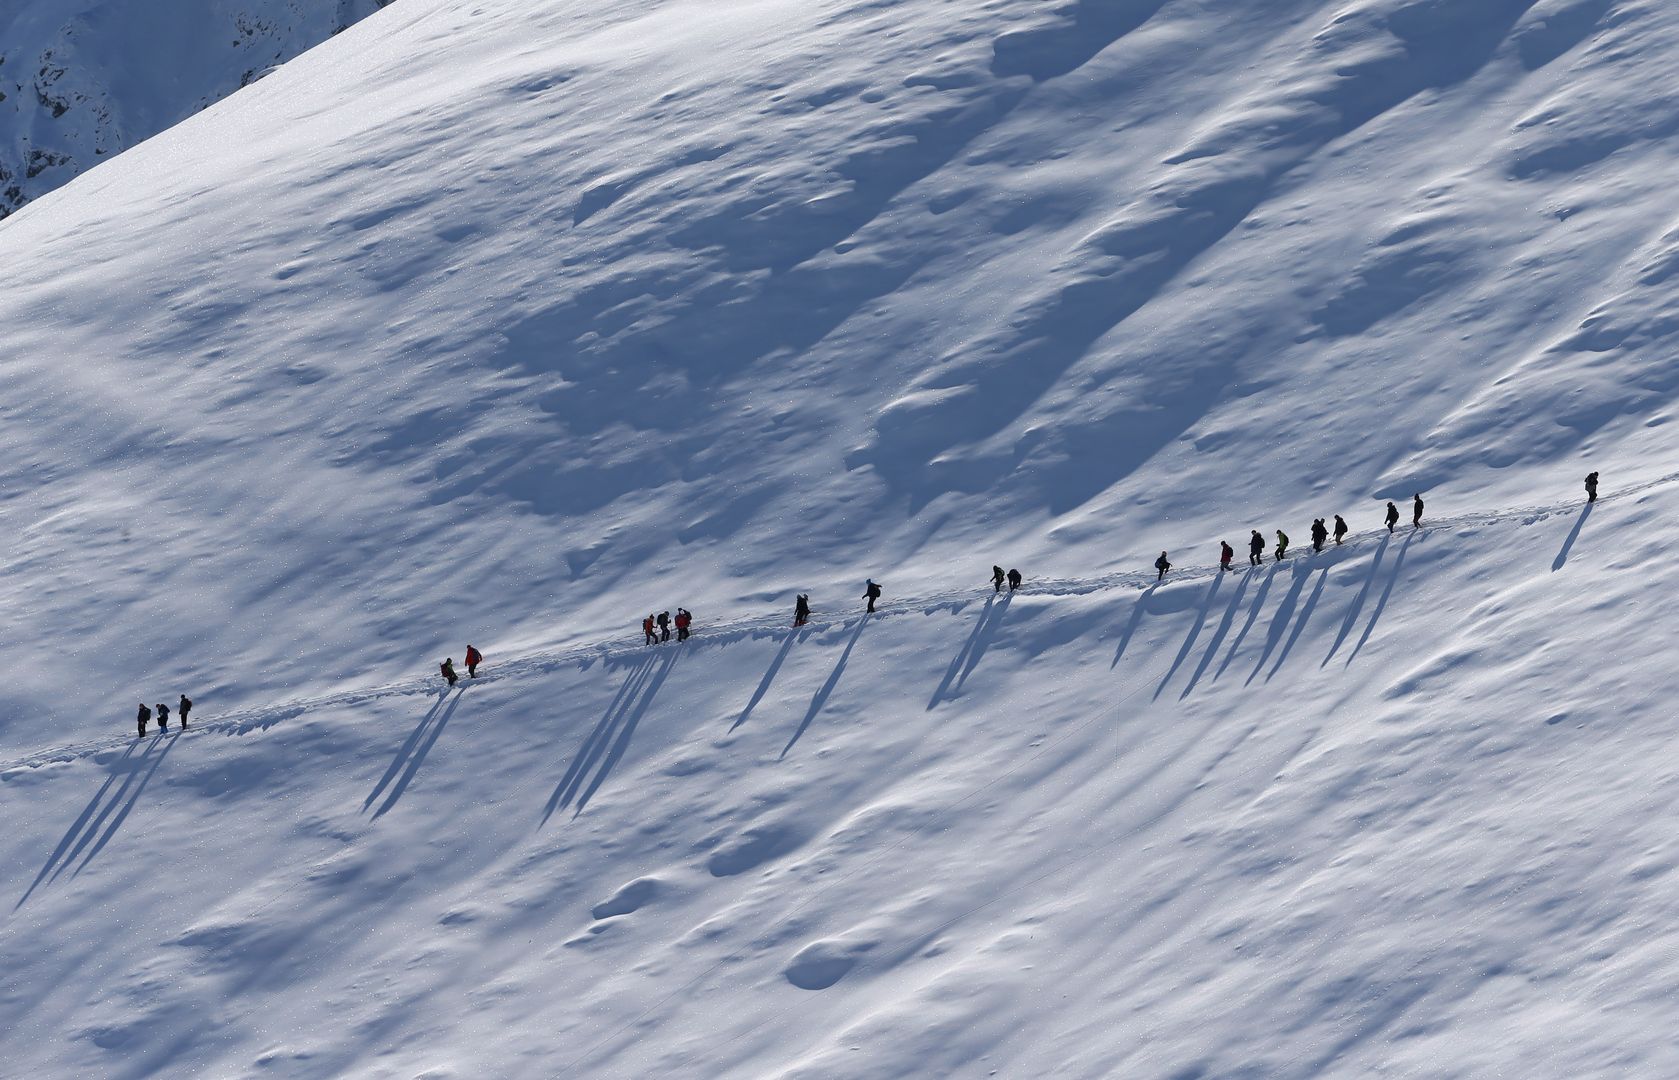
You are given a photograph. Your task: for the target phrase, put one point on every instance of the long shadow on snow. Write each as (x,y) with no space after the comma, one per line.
(1131,626)
(419,754)
(627,730)
(645,677)
(1219,634)
(1382,601)
(821,698)
(403,753)
(1300,571)
(1253,616)
(1300,623)
(79,833)
(769,677)
(1568,545)
(1358,601)
(979,639)
(168,744)
(1194,632)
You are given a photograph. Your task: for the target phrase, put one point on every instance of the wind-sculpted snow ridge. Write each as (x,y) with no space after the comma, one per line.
(82,81)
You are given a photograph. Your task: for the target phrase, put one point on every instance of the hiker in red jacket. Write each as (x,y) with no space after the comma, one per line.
(1225,554)
(647,628)
(473,659)
(683,620)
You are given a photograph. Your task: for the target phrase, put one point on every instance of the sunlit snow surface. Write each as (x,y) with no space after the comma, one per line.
(508,323)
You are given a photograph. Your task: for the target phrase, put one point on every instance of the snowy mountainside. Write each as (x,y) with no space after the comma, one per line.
(82,81)
(508,323)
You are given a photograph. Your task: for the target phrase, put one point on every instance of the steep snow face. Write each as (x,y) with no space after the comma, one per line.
(508,322)
(511,321)
(83,80)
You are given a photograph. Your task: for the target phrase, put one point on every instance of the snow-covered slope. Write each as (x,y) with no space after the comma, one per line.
(508,323)
(83,80)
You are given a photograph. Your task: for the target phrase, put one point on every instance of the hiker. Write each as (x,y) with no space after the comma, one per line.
(1416,511)
(664,627)
(1225,554)
(145,714)
(1591,487)
(1256,549)
(996,579)
(1393,516)
(683,621)
(448,669)
(186,707)
(1282,545)
(1162,565)
(871,593)
(473,659)
(647,628)
(1014,579)
(801,610)
(1340,528)
(162,717)
(1319,534)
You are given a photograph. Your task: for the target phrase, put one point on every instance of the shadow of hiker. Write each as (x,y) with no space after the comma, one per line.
(1194,632)
(403,753)
(1300,623)
(627,729)
(1136,621)
(1253,616)
(79,833)
(168,744)
(639,677)
(1358,601)
(821,698)
(967,658)
(1568,545)
(1382,601)
(419,756)
(769,677)
(1219,634)
(1300,571)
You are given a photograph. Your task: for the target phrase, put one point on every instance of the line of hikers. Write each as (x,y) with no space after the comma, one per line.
(656,628)
(473,659)
(145,716)
(1320,535)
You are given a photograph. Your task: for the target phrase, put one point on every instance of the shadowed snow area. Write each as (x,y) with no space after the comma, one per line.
(81,80)
(507,323)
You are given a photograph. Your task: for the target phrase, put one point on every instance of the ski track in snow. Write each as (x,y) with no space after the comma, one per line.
(612,654)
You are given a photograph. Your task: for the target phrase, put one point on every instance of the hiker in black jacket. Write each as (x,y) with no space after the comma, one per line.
(145,714)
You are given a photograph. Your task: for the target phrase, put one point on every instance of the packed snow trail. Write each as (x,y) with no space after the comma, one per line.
(615,653)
